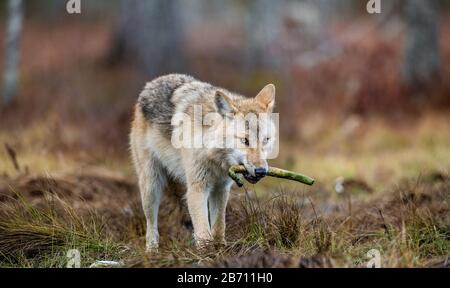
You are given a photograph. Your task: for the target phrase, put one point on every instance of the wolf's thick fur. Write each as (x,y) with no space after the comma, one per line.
(202,170)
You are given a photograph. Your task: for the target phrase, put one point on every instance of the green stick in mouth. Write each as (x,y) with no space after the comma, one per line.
(273,172)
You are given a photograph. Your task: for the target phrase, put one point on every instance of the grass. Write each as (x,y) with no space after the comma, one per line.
(41,237)
(410,228)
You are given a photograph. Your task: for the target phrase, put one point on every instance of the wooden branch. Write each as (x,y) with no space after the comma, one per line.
(235,170)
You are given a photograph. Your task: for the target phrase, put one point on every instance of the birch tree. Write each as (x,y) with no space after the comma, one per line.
(12,47)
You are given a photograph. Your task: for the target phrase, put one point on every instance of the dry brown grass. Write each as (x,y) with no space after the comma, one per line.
(409,226)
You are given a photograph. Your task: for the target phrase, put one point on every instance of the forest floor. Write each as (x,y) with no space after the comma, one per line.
(394,197)
(66,180)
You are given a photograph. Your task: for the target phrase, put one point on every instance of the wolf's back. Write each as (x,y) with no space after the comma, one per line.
(155,99)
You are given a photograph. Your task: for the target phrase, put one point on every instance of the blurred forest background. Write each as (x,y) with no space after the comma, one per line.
(85,70)
(364,99)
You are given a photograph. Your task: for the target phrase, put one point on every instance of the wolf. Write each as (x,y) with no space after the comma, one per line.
(203,171)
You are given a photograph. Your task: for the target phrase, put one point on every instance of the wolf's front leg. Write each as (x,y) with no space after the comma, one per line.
(152,181)
(218,200)
(197,201)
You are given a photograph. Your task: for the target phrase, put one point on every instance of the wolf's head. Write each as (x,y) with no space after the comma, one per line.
(250,129)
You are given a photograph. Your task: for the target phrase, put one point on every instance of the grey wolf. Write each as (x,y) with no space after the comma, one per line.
(203,171)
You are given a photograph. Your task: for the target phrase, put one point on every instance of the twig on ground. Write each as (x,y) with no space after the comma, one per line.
(13,156)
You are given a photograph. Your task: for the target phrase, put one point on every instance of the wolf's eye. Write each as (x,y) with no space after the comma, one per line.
(266,140)
(245,141)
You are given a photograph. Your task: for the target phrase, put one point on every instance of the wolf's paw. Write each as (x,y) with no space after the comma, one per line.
(152,248)
(220,243)
(204,244)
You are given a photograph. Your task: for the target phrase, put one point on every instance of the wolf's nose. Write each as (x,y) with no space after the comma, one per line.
(260,172)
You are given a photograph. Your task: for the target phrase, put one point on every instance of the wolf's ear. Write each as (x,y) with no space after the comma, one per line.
(267,97)
(224,104)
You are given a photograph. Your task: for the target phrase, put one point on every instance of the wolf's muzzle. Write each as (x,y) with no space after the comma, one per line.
(260,173)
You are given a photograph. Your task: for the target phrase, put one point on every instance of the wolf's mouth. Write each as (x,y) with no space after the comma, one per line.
(252,179)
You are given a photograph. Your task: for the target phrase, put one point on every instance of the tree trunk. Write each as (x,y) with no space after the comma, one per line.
(263,26)
(422,61)
(151,32)
(12,49)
